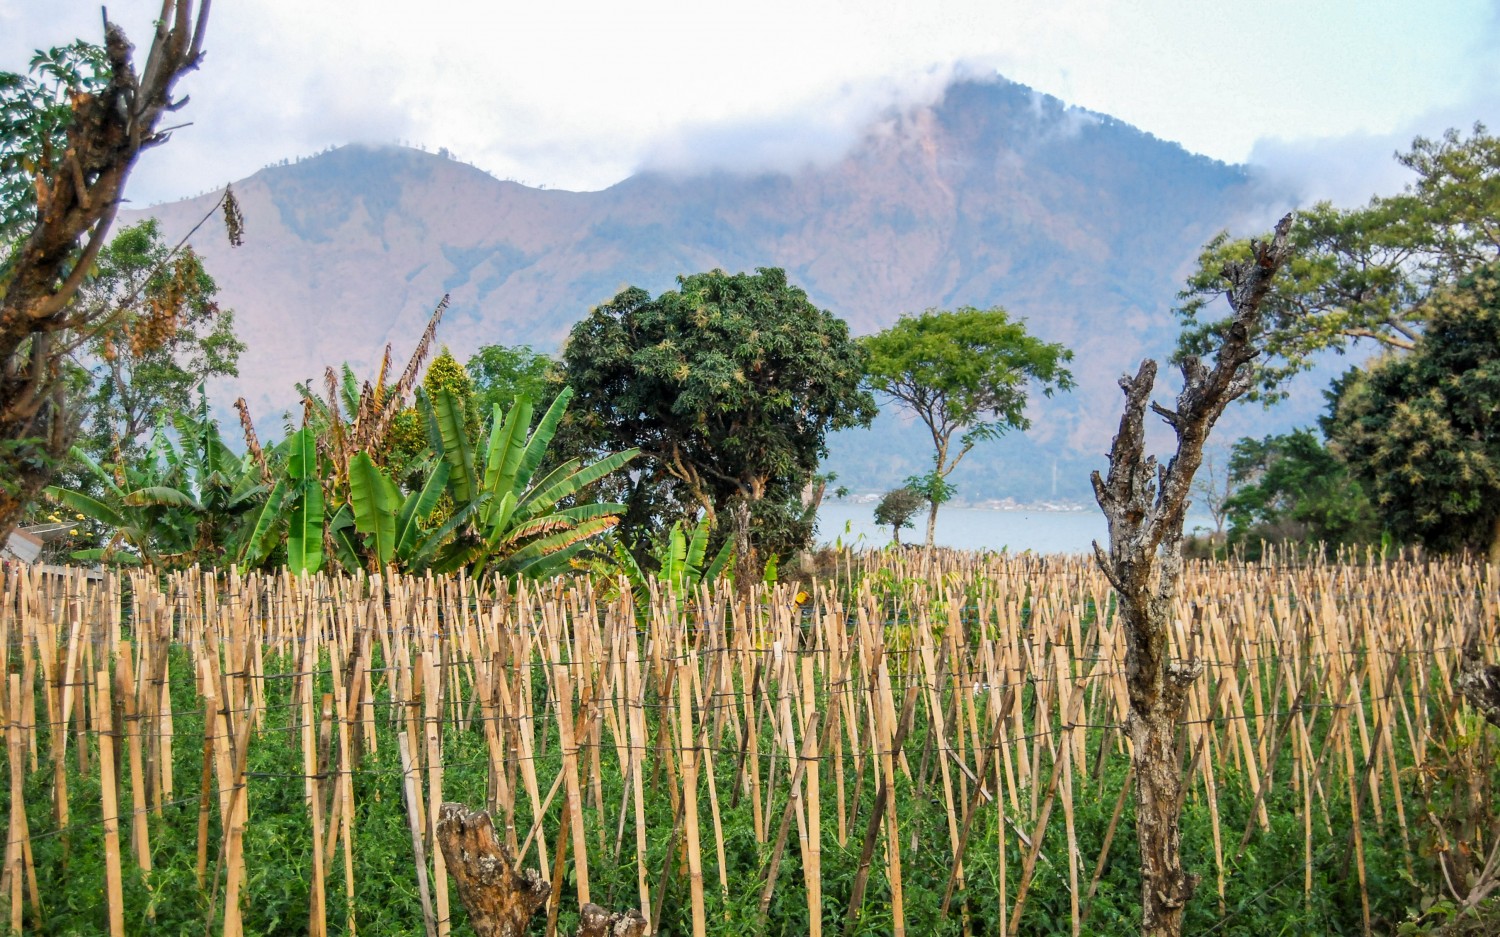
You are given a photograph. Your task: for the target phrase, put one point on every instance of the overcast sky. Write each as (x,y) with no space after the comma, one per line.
(580,93)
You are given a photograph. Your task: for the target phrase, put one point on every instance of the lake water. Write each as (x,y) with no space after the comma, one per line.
(974,528)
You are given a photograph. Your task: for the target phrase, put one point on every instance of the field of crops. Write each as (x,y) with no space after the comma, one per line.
(931,749)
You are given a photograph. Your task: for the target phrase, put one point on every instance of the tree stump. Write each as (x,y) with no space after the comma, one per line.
(594,921)
(500,898)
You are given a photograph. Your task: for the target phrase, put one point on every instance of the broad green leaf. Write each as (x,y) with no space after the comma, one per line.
(340,531)
(256,548)
(161,496)
(541,438)
(460,457)
(720,561)
(503,457)
(375,500)
(676,556)
(304,542)
(302,455)
(101,555)
(435,539)
(89,507)
(575,482)
(417,508)
(537,549)
(499,526)
(696,548)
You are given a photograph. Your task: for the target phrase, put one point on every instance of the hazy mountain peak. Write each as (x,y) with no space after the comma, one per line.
(987,194)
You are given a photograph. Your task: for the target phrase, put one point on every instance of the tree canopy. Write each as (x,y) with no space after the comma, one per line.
(1422,430)
(967,371)
(160,334)
(501,373)
(1291,487)
(728,385)
(1367,273)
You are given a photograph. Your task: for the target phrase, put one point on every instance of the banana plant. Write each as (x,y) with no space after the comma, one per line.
(512,523)
(179,504)
(679,560)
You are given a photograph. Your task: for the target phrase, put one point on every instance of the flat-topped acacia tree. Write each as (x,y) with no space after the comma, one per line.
(1145,504)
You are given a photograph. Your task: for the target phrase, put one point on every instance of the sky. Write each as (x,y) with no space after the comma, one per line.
(579,94)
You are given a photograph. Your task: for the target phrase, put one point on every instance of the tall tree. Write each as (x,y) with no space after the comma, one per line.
(1368,273)
(1291,487)
(160,333)
(78,175)
(1145,506)
(1422,430)
(967,372)
(501,373)
(728,385)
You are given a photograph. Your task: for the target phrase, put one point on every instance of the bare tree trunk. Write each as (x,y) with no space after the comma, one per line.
(1494,554)
(746,563)
(932,509)
(1145,505)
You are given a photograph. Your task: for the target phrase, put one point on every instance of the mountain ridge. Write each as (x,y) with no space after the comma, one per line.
(993,195)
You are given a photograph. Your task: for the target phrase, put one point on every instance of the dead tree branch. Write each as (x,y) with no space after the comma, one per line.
(1145,504)
(78,193)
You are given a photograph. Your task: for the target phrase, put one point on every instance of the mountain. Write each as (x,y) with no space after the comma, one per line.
(994,195)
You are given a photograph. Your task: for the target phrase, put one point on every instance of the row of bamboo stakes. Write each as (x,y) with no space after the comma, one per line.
(1331,677)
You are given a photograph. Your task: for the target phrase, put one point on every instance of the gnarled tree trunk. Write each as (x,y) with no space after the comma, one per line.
(1145,505)
(78,192)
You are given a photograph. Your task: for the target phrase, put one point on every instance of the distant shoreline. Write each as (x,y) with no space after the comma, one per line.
(1060,506)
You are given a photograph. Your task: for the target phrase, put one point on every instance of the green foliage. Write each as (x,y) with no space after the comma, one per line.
(1422,431)
(506,520)
(159,335)
(1364,273)
(35,114)
(501,373)
(677,561)
(966,371)
(897,507)
(445,373)
(176,504)
(1290,487)
(728,386)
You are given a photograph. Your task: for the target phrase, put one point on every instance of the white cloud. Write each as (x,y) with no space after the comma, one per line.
(578,93)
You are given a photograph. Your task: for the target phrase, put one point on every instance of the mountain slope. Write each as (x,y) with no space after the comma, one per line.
(994,195)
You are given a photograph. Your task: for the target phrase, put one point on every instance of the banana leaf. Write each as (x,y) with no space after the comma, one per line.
(541,438)
(573,483)
(375,501)
(417,508)
(304,541)
(257,547)
(449,415)
(89,507)
(507,446)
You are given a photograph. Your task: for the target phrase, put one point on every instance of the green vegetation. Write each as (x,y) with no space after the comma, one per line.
(1369,273)
(896,509)
(1422,430)
(1291,488)
(161,334)
(965,372)
(729,386)
(1411,450)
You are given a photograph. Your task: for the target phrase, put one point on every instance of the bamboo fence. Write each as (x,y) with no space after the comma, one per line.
(987,689)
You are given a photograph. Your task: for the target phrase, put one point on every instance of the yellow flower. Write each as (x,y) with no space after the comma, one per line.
(79,516)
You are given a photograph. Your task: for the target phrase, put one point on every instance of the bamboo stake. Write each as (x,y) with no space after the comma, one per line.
(114,889)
